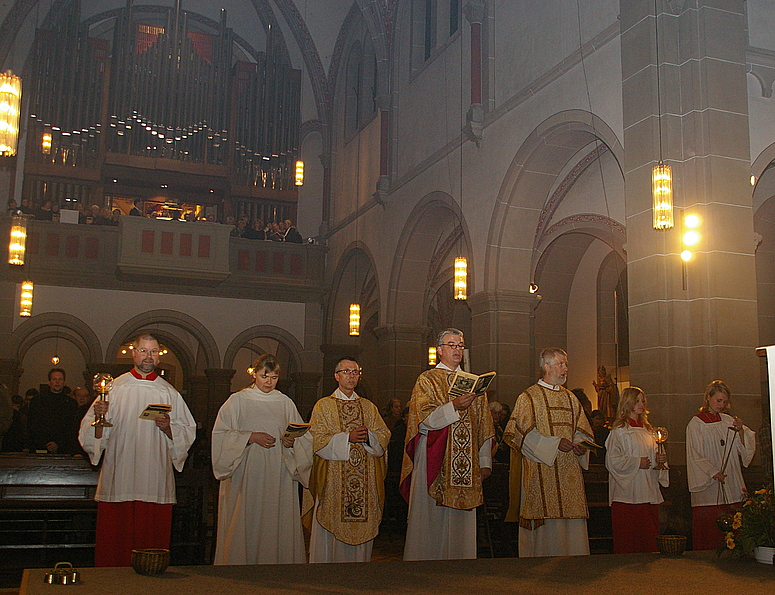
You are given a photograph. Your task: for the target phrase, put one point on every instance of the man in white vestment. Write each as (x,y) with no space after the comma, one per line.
(546,426)
(447,455)
(346,497)
(136,488)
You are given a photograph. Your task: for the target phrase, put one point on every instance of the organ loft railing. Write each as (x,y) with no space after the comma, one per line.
(162,105)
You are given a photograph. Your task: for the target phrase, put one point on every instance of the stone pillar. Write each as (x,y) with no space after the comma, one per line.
(218,390)
(306,384)
(404,350)
(502,340)
(197,398)
(686,330)
(10,372)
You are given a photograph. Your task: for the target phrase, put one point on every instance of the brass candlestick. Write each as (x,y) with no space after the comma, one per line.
(660,437)
(102,385)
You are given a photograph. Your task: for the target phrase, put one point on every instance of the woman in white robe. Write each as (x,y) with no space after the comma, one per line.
(259,518)
(633,483)
(717,447)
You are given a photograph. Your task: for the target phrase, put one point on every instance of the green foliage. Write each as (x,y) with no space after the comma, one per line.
(752,525)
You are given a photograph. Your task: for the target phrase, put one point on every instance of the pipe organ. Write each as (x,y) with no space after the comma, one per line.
(160,92)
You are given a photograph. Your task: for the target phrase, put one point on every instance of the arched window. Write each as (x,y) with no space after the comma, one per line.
(435,22)
(360,85)
(353,91)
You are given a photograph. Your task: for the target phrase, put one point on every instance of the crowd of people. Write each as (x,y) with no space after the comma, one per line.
(46,420)
(444,447)
(275,231)
(243,227)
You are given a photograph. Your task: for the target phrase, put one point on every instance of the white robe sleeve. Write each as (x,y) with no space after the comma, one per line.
(440,418)
(183,429)
(699,469)
(298,459)
(337,449)
(619,460)
(485,454)
(373,447)
(540,448)
(92,445)
(229,444)
(747,450)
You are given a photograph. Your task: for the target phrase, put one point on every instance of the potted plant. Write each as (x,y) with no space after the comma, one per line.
(751,529)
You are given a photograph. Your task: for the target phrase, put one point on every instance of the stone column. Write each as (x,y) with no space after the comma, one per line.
(10,372)
(306,384)
(197,398)
(218,390)
(502,340)
(404,350)
(686,330)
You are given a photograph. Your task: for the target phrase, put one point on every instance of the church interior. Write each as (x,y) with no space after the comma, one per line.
(593,175)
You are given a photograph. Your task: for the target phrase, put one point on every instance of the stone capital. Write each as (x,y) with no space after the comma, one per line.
(503,301)
(474,11)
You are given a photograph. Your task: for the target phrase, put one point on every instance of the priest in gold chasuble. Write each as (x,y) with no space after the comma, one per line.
(545,427)
(448,452)
(346,497)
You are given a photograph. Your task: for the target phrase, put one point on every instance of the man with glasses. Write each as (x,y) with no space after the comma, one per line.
(448,454)
(136,488)
(347,484)
(547,423)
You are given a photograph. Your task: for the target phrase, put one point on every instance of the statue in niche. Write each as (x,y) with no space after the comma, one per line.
(607,393)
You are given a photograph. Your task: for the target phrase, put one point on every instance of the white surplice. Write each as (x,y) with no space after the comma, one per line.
(259,518)
(627,482)
(706,447)
(138,457)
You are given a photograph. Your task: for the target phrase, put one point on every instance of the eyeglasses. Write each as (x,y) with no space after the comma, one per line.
(454,345)
(144,352)
(349,372)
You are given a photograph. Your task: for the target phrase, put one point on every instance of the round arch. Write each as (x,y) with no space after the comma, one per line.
(537,173)
(355,266)
(433,230)
(151,320)
(268,331)
(41,326)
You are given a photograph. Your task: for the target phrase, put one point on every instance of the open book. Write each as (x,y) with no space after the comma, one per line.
(465,382)
(155,411)
(296,430)
(589,445)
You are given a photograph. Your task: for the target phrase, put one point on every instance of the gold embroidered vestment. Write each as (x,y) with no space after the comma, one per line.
(350,494)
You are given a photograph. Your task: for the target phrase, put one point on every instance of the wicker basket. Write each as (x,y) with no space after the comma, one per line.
(671,545)
(150,562)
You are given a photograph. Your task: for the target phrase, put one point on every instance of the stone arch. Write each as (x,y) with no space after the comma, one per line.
(263,330)
(40,327)
(151,321)
(356,270)
(537,173)
(434,229)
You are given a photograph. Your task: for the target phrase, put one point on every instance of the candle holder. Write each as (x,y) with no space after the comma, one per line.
(102,385)
(660,437)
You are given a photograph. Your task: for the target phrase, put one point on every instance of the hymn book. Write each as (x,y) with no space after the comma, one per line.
(296,430)
(155,411)
(465,382)
(589,445)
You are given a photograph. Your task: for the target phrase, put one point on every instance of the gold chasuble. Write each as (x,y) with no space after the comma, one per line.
(350,494)
(556,491)
(457,482)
